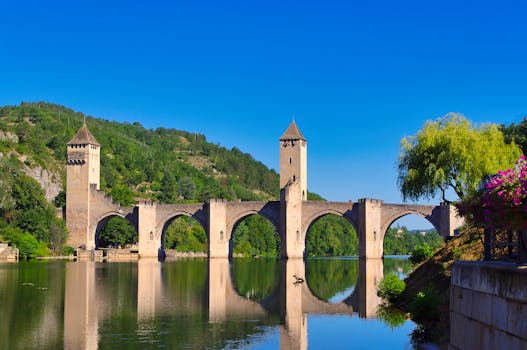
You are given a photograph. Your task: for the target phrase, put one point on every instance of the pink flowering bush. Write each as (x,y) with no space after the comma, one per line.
(502,200)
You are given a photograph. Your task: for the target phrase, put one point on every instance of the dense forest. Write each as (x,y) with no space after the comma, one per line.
(164,165)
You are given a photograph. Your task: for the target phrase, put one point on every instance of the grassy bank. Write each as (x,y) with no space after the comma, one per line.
(433,277)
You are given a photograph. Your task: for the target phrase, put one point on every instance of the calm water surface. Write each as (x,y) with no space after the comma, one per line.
(198,304)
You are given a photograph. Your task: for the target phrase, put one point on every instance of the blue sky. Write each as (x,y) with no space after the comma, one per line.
(357,75)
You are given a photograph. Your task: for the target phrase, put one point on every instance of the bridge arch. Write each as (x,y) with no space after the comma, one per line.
(320,214)
(315,217)
(397,215)
(170,218)
(100,222)
(242,216)
(239,217)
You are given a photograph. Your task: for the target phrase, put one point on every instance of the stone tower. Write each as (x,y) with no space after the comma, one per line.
(293,191)
(83,174)
(293,159)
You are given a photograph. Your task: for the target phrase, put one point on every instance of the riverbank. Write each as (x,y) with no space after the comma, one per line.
(435,274)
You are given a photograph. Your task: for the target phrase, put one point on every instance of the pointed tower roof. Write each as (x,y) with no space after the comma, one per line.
(83,136)
(292,133)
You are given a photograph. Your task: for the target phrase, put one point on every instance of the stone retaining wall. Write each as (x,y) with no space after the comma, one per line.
(488,306)
(8,254)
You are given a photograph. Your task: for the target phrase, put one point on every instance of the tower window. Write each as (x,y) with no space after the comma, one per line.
(290,160)
(294,178)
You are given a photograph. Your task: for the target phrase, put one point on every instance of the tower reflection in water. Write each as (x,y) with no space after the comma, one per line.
(87,303)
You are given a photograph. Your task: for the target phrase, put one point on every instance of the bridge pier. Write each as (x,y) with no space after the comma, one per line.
(292,239)
(149,240)
(449,220)
(218,236)
(370,233)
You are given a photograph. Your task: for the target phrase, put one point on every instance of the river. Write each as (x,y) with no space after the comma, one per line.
(199,304)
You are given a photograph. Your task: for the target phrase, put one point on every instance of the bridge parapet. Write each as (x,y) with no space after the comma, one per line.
(392,212)
(314,210)
(166,213)
(239,210)
(103,208)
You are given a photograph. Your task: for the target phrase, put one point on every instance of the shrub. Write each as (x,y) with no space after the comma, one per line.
(27,246)
(42,250)
(421,253)
(68,250)
(425,305)
(391,287)
(26,243)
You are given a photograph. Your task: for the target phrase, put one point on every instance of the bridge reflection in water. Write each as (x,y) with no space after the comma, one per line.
(89,301)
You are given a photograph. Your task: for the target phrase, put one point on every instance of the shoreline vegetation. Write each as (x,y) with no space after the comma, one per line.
(426,297)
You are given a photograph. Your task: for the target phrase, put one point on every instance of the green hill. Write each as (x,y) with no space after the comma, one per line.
(164,165)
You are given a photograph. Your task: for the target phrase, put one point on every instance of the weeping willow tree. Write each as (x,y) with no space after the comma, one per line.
(451,154)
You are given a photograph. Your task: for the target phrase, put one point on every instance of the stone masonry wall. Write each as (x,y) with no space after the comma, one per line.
(488,306)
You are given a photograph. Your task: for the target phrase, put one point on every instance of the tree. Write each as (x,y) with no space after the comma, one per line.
(451,153)
(186,188)
(391,287)
(516,133)
(26,243)
(117,231)
(421,253)
(186,235)
(60,200)
(122,194)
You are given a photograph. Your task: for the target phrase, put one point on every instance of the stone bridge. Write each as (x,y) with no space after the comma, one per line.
(369,217)
(88,208)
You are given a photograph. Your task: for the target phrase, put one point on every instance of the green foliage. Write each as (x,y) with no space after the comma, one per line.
(26,243)
(391,287)
(400,241)
(390,316)
(24,206)
(122,194)
(186,235)
(332,235)
(451,153)
(117,232)
(421,253)
(425,305)
(68,250)
(256,236)
(60,200)
(42,250)
(516,133)
(314,197)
